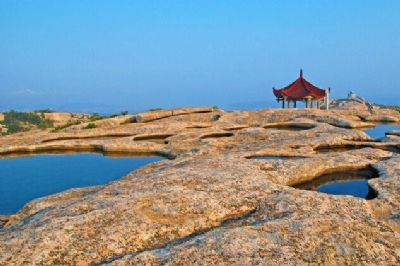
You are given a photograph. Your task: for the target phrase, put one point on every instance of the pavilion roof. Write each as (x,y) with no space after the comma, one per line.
(300,89)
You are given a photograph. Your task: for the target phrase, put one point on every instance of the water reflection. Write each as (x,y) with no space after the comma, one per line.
(23,179)
(380,130)
(352,182)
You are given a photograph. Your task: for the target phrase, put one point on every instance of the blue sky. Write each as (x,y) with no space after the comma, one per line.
(117,55)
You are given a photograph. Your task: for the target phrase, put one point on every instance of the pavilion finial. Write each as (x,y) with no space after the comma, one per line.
(301,73)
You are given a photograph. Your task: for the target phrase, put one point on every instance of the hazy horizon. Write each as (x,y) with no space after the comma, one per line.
(109,56)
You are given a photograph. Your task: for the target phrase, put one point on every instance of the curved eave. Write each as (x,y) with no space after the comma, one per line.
(299,89)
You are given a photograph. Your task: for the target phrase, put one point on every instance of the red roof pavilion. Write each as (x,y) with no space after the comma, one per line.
(300,90)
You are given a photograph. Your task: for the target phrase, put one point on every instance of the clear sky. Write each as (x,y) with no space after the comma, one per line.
(114,55)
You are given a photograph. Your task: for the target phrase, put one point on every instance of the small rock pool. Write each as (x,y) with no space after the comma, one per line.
(23,179)
(352,182)
(357,188)
(380,130)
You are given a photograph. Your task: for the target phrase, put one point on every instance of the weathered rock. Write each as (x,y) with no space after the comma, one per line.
(183,111)
(3,129)
(153,115)
(111,122)
(381,118)
(292,125)
(58,118)
(212,205)
(159,114)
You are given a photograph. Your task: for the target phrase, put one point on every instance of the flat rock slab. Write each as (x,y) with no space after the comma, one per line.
(212,205)
(159,114)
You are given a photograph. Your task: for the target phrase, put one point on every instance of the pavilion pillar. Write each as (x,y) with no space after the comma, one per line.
(307,102)
(295,104)
(318,103)
(312,103)
(283,102)
(288,104)
(327,92)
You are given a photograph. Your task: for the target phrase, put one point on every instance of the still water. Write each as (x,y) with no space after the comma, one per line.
(352,182)
(357,188)
(380,130)
(26,178)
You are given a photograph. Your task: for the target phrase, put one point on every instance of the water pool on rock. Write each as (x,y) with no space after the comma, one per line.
(352,182)
(380,130)
(357,188)
(23,179)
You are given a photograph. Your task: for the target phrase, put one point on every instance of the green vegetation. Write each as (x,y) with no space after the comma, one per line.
(215,117)
(95,117)
(20,121)
(118,114)
(128,121)
(89,126)
(59,128)
(133,119)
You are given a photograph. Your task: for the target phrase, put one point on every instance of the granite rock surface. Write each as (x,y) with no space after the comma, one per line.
(214,201)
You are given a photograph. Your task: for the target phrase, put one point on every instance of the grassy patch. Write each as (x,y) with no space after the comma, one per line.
(118,114)
(95,117)
(215,117)
(59,128)
(20,121)
(128,121)
(89,126)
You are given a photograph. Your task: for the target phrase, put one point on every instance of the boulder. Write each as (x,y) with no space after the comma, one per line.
(58,118)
